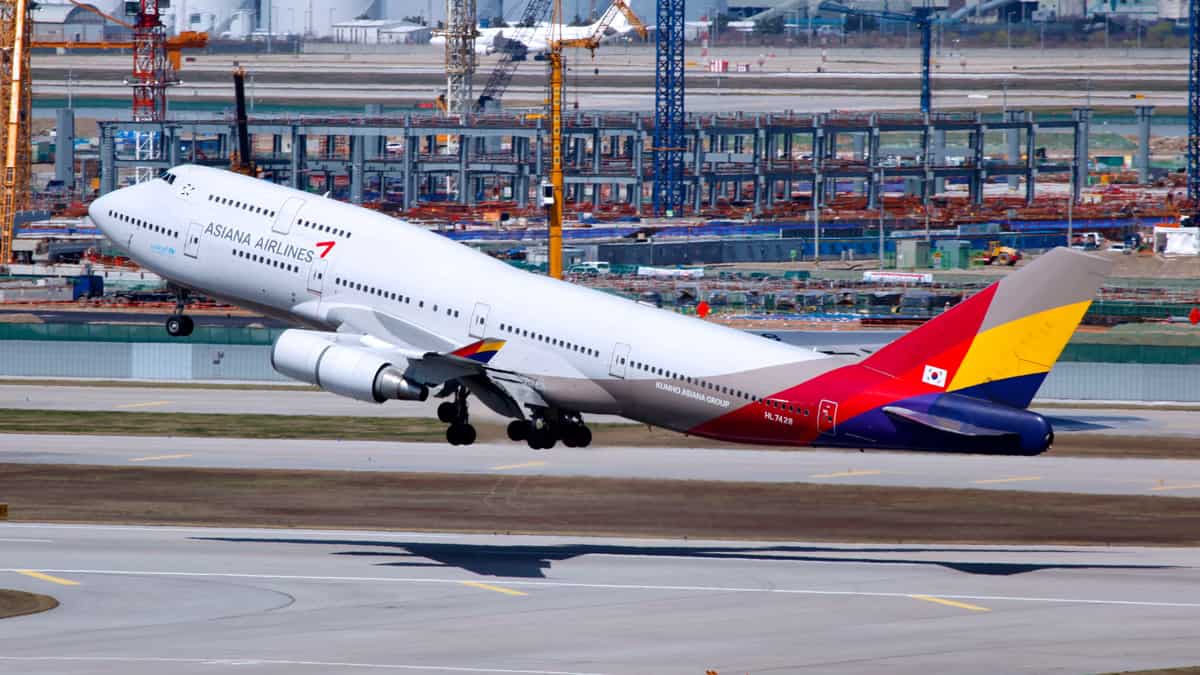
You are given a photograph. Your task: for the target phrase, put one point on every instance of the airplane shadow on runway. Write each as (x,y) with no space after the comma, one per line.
(1092,422)
(532,561)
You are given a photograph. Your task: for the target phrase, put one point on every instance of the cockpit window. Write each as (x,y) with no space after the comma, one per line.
(167,176)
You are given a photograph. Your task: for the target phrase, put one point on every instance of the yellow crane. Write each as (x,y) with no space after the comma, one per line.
(16,28)
(591,42)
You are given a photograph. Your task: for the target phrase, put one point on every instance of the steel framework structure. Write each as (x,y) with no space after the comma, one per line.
(669,141)
(460,56)
(16,29)
(1193,149)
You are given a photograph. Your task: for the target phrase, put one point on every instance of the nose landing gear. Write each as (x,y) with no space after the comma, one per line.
(179,324)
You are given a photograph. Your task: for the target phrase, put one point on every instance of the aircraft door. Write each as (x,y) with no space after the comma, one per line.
(479,318)
(316,276)
(620,360)
(827,417)
(191,245)
(286,215)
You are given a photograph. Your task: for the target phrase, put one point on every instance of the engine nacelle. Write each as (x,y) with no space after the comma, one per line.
(317,358)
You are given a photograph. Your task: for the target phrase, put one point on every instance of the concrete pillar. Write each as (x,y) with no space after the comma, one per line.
(64,147)
(412,146)
(108,160)
(170,141)
(978,172)
(1013,153)
(937,157)
(358,178)
(1030,159)
(299,149)
(1144,115)
(1083,118)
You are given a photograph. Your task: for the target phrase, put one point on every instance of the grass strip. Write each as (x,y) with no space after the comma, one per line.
(20,603)
(587,506)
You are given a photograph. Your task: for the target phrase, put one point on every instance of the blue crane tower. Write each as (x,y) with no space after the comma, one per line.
(669,142)
(1193,147)
(922,18)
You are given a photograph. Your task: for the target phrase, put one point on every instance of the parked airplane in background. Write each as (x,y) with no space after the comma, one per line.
(393,311)
(536,39)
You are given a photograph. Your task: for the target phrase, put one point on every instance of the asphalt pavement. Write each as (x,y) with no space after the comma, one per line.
(193,600)
(1048,473)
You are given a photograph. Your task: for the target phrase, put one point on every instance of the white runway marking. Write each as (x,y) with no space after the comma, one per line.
(282,662)
(629,587)
(28,541)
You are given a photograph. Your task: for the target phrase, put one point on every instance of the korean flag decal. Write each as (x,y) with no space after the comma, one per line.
(934,376)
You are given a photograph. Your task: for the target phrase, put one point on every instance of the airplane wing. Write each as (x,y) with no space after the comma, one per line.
(435,359)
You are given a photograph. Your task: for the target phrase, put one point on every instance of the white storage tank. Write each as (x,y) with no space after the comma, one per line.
(310,18)
(218,18)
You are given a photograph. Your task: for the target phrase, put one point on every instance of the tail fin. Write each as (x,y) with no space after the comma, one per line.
(1000,343)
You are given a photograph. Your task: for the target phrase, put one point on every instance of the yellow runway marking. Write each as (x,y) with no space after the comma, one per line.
(525,465)
(1014,479)
(845,474)
(47,577)
(155,458)
(146,404)
(489,587)
(950,603)
(1181,486)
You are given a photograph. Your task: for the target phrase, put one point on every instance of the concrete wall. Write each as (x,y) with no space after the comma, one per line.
(252,363)
(138,361)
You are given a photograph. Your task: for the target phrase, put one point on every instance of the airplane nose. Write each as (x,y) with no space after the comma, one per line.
(98,213)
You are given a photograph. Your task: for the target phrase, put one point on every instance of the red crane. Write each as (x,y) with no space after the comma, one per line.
(152,71)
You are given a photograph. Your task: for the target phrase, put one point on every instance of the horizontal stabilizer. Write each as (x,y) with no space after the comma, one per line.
(943,424)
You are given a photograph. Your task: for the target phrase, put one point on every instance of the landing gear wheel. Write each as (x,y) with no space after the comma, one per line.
(542,439)
(460,434)
(518,430)
(447,412)
(582,436)
(179,325)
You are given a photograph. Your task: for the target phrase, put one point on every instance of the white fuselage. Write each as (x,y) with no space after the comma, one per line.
(314,260)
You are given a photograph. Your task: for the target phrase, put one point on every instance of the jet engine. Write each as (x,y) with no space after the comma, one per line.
(317,358)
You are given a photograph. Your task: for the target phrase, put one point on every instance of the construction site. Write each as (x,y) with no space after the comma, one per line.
(489,139)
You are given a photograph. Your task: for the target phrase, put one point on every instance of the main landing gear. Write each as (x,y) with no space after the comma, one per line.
(454,413)
(179,324)
(542,433)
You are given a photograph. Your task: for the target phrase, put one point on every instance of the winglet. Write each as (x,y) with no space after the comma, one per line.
(481,351)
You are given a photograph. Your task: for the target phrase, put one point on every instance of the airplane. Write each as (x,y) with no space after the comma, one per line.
(535,40)
(387,310)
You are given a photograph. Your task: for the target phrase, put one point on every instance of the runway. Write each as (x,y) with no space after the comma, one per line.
(151,600)
(1046,473)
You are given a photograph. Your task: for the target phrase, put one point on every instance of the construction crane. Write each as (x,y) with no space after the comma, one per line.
(1193,147)
(554,200)
(502,75)
(156,61)
(669,142)
(460,55)
(16,29)
(242,161)
(921,17)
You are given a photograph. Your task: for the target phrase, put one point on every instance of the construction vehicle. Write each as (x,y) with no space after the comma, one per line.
(1003,255)
(553,196)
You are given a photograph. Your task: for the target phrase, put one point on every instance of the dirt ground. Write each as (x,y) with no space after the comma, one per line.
(586,506)
(20,603)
